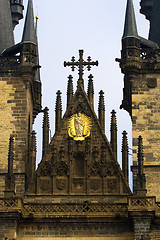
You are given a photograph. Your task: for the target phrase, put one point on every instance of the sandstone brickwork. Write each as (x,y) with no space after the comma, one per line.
(146,122)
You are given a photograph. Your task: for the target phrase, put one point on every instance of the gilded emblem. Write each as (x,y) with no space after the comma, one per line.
(79,126)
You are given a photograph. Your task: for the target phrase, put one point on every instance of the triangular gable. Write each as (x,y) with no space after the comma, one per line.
(81,167)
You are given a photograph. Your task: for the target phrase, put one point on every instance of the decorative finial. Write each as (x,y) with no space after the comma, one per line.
(125,155)
(141,179)
(90,91)
(58,110)
(10,155)
(69,90)
(37,13)
(45,131)
(101,110)
(113,131)
(36,20)
(81,64)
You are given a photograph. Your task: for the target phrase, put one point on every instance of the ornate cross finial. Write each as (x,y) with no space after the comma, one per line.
(81,64)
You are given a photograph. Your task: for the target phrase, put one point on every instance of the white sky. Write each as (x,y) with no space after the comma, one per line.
(64,27)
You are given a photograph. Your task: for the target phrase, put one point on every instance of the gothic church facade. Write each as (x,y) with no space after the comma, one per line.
(78,190)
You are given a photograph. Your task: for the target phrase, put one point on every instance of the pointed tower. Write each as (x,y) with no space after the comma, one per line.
(140,65)
(6,29)
(20,105)
(29,34)
(130,27)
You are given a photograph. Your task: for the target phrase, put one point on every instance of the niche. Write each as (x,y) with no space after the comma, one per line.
(79,165)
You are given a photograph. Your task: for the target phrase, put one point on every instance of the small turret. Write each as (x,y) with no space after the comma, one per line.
(69,90)
(125,155)
(58,110)
(101,110)
(113,131)
(16,11)
(130,37)
(90,91)
(45,131)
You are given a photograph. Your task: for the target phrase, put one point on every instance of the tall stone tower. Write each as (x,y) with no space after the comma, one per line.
(20,93)
(140,64)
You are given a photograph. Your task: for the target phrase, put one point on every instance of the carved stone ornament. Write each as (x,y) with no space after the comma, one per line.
(61,168)
(61,152)
(95,169)
(95,152)
(79,126)
(78,183)
(108,169)
(45,184)
(46,169)
(61,183)
(112,185)
(152,82)
(95,184)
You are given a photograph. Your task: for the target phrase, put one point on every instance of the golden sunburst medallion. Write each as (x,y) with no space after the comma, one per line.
(79,126)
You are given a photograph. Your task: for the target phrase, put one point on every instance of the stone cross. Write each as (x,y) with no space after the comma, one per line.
(81,64)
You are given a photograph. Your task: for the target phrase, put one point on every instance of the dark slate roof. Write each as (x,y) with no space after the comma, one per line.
(154,34)
(6,29)
(148,43)
(29,34)
(130,27)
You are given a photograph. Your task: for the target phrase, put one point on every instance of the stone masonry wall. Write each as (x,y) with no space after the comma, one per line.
(76,231)
(146,122)
(15,106)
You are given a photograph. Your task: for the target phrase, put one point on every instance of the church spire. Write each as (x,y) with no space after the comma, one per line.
(90,91)
(101,110)
(69,90)
(154,34)
(58,110)
(29,34)
(6,29)
(125,155)
(130,27)
(114,133)
(45,131)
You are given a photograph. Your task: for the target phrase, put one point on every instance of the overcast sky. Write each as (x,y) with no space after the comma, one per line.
(64,27)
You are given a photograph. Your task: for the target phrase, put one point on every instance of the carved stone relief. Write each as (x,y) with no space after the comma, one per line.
(95,184)
(95,169)
(61,183)
(61,168)
(46,169)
